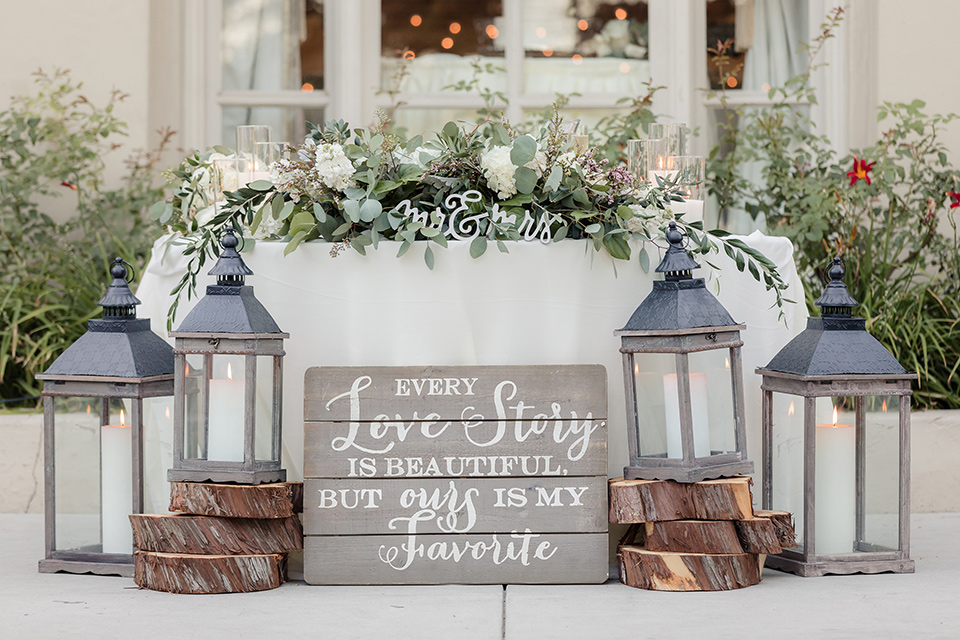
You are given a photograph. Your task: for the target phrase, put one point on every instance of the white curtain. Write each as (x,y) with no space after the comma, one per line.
(779,26)
(260,51)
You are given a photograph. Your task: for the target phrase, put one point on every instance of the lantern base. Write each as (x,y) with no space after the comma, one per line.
(111,567)
(238,476)
(692,474)
(815,568)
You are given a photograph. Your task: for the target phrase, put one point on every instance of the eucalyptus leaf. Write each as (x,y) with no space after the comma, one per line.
(478,247)
(351,208)
(261,185)
(526,179)
(370,209)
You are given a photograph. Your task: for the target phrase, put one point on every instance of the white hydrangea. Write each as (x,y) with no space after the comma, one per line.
(269,226)
(334,168)
(651,219)
(498,169)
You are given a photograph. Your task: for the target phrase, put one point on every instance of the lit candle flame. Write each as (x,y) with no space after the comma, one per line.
(230,374)
(834,415)
(726,362)
(660,161)
(636,368)
(790,410)
(167,412)
(88,409)
(121,418)
(186,369)
(884,407)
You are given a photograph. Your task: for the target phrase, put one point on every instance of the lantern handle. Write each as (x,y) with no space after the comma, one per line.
(131,272)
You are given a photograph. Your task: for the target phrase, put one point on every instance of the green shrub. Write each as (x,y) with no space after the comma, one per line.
(52,144)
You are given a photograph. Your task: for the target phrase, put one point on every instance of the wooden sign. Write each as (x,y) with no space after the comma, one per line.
(473,475)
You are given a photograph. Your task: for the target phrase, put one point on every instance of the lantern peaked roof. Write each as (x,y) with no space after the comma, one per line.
(679,301)
(119,345)
(230,305)
(835,343)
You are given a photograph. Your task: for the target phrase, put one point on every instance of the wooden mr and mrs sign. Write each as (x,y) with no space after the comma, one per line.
(481,474)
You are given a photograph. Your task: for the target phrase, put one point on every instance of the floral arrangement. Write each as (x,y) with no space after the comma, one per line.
(486,183)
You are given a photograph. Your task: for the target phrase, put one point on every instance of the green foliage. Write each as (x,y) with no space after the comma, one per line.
(482,181)
(52,145)
(887,209)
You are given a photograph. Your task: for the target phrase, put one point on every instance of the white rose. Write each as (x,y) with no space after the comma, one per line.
(205,215)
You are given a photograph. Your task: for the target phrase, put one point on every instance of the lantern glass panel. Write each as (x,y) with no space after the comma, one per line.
(225,431)
(711,401)
(77,478)
(157,452)
(836,478)
(263,440)
(194,445)
(787,460)
(650,371)
(881,491)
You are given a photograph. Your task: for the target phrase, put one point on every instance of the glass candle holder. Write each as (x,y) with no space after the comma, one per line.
(674,135)
(248,136)
(689,173)
(643,155)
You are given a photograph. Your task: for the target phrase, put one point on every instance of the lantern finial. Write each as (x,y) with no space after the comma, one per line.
(119,302)
(836,301)
(677,263)
(230,268)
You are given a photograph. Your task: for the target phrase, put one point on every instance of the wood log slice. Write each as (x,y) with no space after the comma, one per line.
(275,500)
(634,501)
(783,526)
(667,571)
(182,573)
(692,536)
(206,535)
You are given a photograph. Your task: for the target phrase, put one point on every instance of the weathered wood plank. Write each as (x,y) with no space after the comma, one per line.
(525,558)
(274,500)
(655,500)
(666,571)
(179,573)
(206,535)
(468,505)
(362,393)
(345,450)
(692,536)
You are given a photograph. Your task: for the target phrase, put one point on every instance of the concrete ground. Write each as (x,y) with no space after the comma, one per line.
(921,605)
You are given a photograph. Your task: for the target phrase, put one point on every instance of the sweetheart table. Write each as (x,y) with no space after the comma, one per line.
(539,304)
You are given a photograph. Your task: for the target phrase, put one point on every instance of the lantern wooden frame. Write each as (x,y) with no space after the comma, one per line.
(683,342)
(867,558)
(210,345)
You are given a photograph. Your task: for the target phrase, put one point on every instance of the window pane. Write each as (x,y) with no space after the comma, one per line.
(767,37)
(584,47)
(272,45)
(427,45)
(287,122)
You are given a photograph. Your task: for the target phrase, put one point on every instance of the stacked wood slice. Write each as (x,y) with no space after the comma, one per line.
(698,536)
(221,538)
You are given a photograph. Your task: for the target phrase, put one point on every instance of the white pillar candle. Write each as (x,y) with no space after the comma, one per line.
(116,486)
(698,407)
(835,488)
(692,210)
(225,431)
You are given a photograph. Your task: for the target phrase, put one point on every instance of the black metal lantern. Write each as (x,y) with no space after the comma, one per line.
(684,381)
(223,431)
(93,410)
(836,444)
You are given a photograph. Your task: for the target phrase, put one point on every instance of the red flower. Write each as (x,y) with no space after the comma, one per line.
(861,171)
(956,199)
(68,185)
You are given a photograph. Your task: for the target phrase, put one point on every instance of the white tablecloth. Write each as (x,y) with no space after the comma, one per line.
(539,304)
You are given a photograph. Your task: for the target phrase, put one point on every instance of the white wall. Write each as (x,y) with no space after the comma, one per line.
(105,44)
(917,57)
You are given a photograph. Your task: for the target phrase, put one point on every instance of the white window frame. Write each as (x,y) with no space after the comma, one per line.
(352,76)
